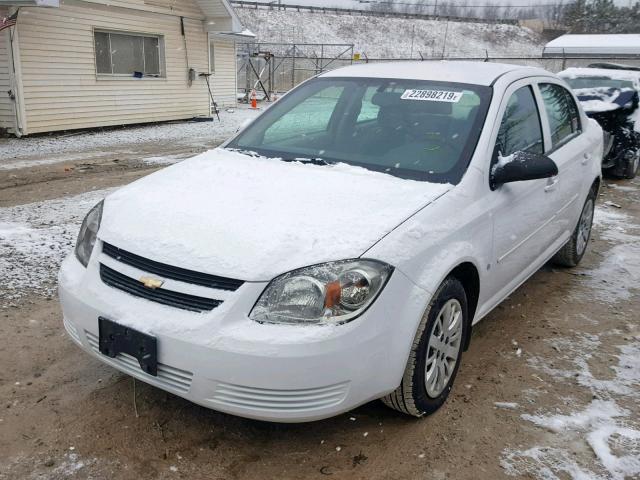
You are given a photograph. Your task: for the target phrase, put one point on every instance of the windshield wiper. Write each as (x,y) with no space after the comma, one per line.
(249,153)
(314,161)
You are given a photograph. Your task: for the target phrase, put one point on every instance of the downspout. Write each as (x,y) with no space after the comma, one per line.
(16,79)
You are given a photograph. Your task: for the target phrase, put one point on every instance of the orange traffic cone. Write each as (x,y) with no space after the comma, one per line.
(254,99)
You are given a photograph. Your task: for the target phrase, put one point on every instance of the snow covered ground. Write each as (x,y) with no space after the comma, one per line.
(34,239)
(380,37)
(43,150)
(604,423)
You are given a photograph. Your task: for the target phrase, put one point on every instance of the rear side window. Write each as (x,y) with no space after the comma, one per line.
(562,112)
(520,129)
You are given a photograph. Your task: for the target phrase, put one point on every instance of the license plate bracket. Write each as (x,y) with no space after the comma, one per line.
(115,338)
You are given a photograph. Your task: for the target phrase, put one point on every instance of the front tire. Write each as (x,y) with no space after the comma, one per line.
(435,354)
(573,251)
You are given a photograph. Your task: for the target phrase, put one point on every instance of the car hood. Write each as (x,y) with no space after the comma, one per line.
(252,218)
(597,100)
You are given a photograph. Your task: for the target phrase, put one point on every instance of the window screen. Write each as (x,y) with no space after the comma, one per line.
(127,54)
(562,112)
(520,129)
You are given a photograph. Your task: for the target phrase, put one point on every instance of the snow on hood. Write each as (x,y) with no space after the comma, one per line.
(604,99)
(251,218)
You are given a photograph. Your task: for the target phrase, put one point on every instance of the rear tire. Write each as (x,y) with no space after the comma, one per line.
(631,166)
(435,354)
(573,251)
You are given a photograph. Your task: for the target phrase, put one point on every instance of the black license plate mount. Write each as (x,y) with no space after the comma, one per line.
(115,338)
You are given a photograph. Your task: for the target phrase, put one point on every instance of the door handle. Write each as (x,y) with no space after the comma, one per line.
(551,184)
(585,158)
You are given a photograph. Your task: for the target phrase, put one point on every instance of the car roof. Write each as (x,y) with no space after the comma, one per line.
(476,73)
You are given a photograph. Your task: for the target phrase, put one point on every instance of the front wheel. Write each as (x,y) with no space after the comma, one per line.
(573,251)
(435,354)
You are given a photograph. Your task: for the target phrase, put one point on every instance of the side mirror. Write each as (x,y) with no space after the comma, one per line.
(521,166)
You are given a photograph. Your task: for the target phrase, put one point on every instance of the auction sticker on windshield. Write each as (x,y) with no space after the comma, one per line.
(432,95)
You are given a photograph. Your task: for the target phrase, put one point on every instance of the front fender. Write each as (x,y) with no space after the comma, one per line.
(454,229)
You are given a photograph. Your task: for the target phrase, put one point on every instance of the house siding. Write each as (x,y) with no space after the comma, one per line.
(223,81)
(60,86)
(6,104)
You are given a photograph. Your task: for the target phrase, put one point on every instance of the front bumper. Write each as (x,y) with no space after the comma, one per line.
(224,361)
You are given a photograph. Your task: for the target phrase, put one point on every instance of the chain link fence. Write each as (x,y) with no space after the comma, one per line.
(274,68)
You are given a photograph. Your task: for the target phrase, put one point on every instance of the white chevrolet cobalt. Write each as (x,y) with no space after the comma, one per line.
(340,248)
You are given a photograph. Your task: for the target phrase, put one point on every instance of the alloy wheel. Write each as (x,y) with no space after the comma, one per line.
(443,348)
(584,226)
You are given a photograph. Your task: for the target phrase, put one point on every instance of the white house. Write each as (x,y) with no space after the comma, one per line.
(70,64)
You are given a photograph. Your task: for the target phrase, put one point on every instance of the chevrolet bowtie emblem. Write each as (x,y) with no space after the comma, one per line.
(151,283)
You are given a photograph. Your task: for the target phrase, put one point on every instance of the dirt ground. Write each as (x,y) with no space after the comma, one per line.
(559,349)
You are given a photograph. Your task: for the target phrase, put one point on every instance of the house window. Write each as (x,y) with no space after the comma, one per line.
(128,54)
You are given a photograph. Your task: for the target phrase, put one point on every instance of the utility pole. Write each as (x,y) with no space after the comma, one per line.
(413,34)
(444,44)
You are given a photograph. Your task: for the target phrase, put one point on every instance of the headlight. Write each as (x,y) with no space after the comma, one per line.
(88,233)
(335,292)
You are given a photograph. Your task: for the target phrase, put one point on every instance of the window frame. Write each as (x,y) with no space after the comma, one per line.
(551,148)
(128,76)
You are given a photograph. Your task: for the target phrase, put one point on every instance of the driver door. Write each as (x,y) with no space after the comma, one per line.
(522,211)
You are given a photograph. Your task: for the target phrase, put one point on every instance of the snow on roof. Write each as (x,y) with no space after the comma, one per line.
(477,73)
(605,44)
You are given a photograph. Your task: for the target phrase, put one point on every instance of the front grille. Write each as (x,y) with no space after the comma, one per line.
(166,297)
(169,377)
(169,271)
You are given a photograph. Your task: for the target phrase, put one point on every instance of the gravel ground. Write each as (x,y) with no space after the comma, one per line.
(550,388)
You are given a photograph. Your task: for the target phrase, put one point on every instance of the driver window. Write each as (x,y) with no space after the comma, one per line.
(520,129)
(311,116)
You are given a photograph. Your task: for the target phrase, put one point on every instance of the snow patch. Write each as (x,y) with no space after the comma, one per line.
(598,441)
(65,147)
(385,37)
(34,239)
(618,274)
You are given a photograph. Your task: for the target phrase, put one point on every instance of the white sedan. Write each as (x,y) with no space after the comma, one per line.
(340,248)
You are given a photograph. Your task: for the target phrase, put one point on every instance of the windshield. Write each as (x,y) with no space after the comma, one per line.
(408,128)
(597,82)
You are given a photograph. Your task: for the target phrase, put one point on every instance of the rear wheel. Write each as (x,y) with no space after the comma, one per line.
(435,355)
(632,164)
(573,251)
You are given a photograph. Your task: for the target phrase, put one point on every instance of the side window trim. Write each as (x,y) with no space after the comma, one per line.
(544,118)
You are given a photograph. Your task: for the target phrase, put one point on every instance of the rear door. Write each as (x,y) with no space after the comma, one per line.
(569,148)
